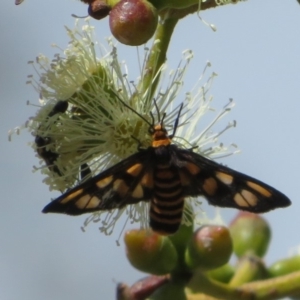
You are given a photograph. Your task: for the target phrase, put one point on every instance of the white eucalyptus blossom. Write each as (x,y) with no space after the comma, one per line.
(98,129)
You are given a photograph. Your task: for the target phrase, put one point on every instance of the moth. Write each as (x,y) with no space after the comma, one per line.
(164,175)
(17,2)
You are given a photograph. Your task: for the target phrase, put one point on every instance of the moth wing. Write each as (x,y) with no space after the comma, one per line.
(224,187)
(127,182)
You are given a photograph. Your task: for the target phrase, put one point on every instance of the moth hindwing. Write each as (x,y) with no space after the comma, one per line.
(164,175)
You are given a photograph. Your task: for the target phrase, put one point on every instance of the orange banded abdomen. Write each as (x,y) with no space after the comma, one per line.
(166,206)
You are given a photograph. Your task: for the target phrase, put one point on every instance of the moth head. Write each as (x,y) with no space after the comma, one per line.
(160,136)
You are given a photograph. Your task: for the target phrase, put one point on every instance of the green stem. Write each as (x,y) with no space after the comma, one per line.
(218,290)
(275,288)
(181,4)
(158,52)
(156,58)
(270,289)
(250,268)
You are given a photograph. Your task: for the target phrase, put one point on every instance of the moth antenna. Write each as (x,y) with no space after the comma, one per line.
(134,111)
(176,121)
(162,119)
(153,119)
(157,110)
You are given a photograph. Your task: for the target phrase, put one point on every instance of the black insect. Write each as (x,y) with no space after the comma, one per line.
(41,142)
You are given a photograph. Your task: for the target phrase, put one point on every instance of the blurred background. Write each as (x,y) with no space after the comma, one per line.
(256,54)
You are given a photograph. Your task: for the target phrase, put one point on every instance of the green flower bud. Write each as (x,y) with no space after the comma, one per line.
(150,252)
(250,233)
(133,22)
(209,248)
(285,266)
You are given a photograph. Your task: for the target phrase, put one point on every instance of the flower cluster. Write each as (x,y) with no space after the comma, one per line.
(92,116)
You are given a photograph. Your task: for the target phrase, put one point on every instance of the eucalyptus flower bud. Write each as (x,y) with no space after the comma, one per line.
(133,22)
(209,248)
(285,266)
(150,252)
(250,233)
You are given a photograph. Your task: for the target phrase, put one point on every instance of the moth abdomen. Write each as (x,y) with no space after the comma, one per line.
(165,217)
(166,207)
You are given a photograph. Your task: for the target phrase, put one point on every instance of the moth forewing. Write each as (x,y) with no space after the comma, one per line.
(125,183)
(224,187)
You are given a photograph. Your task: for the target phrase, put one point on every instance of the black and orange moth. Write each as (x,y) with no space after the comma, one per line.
(164,175)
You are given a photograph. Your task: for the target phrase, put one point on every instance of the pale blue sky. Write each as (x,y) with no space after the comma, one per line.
(256,52)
